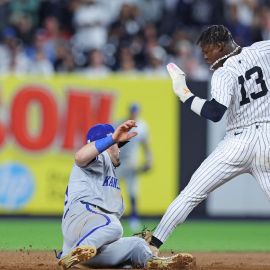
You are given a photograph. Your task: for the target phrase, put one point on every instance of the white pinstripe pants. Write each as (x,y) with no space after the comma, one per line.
(244,150)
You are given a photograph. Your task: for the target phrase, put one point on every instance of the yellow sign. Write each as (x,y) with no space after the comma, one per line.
(44,121)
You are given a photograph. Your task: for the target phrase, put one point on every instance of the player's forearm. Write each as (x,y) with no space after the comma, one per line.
(211,110)
(87,153)
(90,151)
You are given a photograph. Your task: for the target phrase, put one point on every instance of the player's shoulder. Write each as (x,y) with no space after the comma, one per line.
(104,156)
(99,161)
(261,45)
(105,159)
(223,76)
(221,72)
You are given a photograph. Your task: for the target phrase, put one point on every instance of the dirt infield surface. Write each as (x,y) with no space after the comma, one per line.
(31,260)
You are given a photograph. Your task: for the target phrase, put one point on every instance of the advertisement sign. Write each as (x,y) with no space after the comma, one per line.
(44,120)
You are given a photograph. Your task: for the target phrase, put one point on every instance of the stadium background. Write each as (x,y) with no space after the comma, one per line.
(68,64)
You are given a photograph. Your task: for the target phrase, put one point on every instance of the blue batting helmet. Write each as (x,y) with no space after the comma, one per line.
(100,131)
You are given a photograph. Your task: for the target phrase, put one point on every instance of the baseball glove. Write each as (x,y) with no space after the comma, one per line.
(146,234)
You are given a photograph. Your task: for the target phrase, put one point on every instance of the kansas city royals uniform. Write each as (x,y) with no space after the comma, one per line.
(243,86)
(93,206)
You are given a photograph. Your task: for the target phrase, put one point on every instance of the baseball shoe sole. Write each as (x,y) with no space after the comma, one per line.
(77,255)
(180,261)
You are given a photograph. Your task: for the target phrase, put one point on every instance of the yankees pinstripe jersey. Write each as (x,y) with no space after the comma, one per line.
(242,85)
(96,184)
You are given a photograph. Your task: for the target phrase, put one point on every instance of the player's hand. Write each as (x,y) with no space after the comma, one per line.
(178,77)
(122,134)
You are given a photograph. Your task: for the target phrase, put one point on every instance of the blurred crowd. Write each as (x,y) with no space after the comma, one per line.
(96,37)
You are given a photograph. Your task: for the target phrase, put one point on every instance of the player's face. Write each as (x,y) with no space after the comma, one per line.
(114,153)
(212,52)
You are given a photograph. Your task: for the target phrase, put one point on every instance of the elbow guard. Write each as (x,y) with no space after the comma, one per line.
(211,110)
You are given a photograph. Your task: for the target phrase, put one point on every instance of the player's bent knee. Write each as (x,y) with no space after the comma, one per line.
(193,198)
(117,231)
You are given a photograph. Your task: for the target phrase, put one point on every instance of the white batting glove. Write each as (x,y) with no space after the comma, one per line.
(179,82)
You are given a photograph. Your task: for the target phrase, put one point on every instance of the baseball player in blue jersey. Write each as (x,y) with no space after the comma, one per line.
(91,228)
(240,85)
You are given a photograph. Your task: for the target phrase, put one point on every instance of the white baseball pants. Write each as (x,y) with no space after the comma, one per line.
(243,150)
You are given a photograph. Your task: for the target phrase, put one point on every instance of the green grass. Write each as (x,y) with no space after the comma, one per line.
(192,236)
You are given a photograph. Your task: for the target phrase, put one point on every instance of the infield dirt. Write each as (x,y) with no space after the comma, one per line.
(45,260)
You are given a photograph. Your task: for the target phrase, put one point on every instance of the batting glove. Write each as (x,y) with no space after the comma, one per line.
(178,77)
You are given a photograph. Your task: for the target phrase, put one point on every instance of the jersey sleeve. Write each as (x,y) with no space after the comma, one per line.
(222,84)
(96,164)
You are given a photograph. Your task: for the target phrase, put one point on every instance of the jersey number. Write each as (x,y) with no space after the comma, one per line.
(259,80)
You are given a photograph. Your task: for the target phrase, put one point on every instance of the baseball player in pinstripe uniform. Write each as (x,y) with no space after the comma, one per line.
(91,228)
(240,85)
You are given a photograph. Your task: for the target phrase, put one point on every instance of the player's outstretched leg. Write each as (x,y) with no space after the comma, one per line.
(180,261)
(77,255)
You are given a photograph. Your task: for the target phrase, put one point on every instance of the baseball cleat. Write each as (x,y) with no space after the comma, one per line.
(180,261)
(77,255)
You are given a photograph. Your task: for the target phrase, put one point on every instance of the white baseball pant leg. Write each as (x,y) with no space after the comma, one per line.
(261,163)
(233,156)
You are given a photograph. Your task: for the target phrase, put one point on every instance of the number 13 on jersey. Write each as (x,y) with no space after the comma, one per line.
(259,80)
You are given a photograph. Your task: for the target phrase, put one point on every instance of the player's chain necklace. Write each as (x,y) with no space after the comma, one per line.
(224,57)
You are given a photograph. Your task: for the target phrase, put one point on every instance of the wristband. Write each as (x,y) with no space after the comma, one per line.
(155,242)
(185,95)
(104,143)
(197,104)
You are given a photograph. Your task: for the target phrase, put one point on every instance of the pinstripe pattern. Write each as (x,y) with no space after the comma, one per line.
(246,146)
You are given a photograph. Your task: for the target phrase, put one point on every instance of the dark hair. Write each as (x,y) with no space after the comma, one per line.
(215,34)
